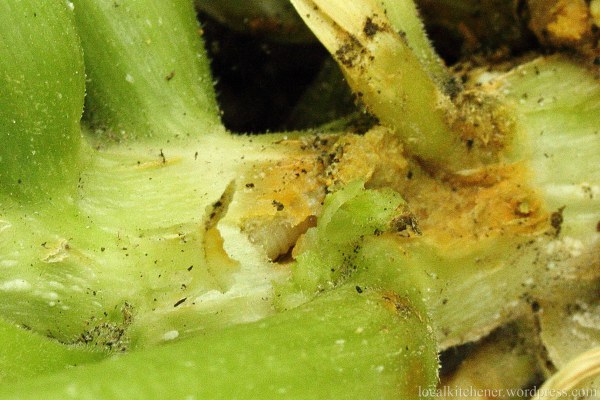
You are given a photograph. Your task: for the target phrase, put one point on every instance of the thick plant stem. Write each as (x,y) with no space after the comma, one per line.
(342,345)
(41,98)
(136,226)
(148,74)
(388,75)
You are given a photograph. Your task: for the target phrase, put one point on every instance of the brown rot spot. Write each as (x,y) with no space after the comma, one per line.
(556,220)
(406,224)
(218,209)
(278,205)
(401,305)
(598,227)
(108,334)
(349,52)
(371,28)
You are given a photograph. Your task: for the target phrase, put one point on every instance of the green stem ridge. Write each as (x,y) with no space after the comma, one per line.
(41,99)
(275,19)
(404,18)
(148,74)
(29,354)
